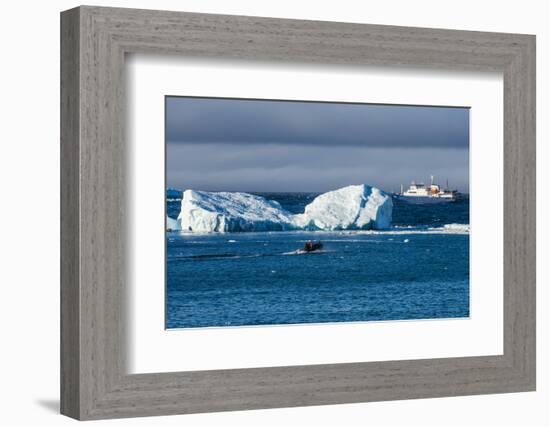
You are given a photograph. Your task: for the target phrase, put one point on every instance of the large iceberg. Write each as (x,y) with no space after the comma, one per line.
(356,207)
(203,211)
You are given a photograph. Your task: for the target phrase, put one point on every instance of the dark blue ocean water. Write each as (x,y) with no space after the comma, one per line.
(416,270)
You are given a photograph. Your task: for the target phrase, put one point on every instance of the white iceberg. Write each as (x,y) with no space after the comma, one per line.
(172,224)
(356,207)
(203,211)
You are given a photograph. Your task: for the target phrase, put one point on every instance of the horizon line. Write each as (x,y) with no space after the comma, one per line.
(277,192)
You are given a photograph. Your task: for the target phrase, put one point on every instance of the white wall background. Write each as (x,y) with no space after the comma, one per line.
(29,224)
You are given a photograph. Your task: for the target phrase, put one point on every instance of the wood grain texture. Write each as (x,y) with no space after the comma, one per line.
(70,297)
(94,382)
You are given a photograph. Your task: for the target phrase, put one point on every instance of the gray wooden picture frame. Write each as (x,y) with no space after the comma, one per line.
(94,381)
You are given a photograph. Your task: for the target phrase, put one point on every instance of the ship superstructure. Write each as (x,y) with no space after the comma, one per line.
(433,193)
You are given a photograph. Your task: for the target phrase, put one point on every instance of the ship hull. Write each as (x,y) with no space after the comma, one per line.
(420,200)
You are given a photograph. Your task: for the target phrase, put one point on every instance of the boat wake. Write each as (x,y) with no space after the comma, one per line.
(221,256)
(303,252)
(204,257)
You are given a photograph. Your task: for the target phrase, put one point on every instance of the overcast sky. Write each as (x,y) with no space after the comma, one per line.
(255,145)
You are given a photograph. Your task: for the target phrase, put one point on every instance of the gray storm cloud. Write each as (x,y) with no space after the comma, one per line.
(252,145)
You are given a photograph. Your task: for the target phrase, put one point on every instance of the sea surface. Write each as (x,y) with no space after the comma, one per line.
(419,269)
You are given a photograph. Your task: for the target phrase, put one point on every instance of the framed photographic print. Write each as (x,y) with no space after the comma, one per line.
(262,213)
(271,183)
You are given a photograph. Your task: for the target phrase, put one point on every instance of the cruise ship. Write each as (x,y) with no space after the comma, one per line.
(420,193)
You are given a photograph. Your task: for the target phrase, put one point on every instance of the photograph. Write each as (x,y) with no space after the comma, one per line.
(275,213)
(282,212)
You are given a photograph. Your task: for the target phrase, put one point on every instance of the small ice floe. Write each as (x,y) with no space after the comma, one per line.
(273,271)
(406,241)
(172,224)
(231,241)
(457,228)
